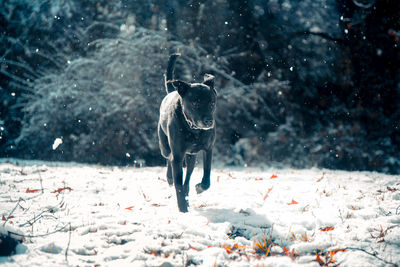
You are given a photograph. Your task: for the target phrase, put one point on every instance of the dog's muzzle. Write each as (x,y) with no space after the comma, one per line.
(202,126)
(207,125)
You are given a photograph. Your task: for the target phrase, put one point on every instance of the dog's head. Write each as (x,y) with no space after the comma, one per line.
(198,102)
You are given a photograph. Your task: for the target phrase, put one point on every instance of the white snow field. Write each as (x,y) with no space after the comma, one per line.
(88,215)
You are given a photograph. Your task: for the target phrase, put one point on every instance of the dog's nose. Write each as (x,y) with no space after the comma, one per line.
(208,122)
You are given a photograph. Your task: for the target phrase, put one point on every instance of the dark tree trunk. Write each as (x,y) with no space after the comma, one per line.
(371,35)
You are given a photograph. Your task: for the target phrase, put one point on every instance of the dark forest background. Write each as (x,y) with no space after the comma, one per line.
(301,82)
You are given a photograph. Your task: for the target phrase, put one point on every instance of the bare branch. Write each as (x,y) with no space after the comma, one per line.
(320,34)
(24,66)
(14,77)
(219,72)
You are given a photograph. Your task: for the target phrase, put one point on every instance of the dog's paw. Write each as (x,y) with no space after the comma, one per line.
(200,188)
(183,209)
(183,205)
(170,181)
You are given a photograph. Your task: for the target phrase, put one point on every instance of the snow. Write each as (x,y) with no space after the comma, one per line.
(57,142)
(79,214)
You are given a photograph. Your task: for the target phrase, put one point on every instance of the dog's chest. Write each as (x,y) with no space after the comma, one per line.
(197,141)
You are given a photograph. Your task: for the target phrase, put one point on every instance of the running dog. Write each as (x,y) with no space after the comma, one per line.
(185,127)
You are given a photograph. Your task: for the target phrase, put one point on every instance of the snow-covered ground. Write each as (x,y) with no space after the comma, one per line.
(88,215)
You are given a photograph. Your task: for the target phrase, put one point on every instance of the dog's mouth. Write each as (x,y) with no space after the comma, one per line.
(197,126)
(194,126)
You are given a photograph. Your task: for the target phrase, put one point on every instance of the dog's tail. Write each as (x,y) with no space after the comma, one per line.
(169,76)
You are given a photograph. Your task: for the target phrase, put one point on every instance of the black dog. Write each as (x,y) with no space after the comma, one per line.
(187,126)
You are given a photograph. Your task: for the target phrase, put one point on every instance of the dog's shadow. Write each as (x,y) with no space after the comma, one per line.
(246,223)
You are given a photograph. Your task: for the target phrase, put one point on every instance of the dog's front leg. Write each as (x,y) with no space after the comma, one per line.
(190,162)
(205,182)
(169,173)
(177,174)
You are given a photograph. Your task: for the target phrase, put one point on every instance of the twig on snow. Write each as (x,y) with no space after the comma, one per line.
(373,255)
(42,235)
(69,241)
(37,217)
(41,183)
(12,211)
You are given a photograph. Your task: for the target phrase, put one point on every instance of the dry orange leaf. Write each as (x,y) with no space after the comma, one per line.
(304,237)
(326,229)
(286,250)
(59,190)
(273,176)
(32,190)
(153,253)
(130,208)
(268,250)
(190,247)
(4,218)
(157,205)
(258,179)
(392,189)
(322,177)
(266,195)
(238,246)
(333,252)
(293,202)
(319,259)
(228,249)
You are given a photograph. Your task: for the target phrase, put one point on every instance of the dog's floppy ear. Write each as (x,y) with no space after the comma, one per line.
(209,81)
(181,86)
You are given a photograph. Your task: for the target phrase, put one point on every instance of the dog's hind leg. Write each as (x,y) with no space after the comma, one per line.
(165,152)
(205,182)
(163,143)
(190,162)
